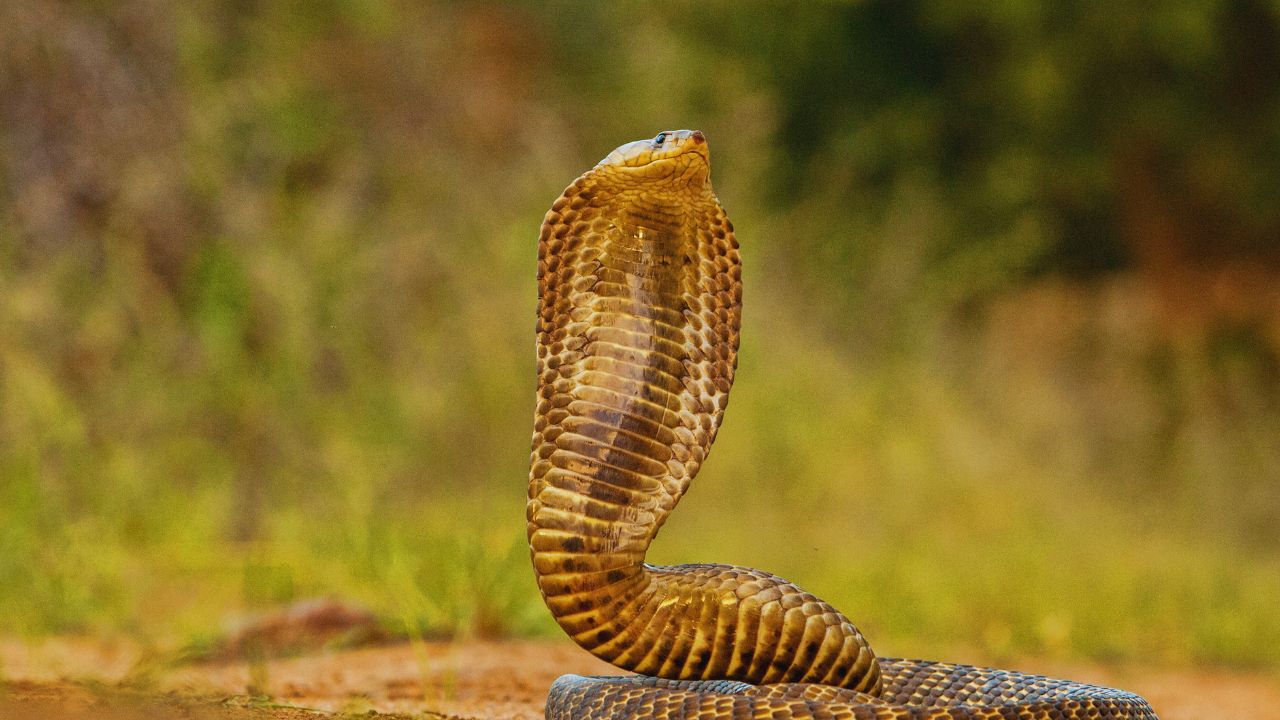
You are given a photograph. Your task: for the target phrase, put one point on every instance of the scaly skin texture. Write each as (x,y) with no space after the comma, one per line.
(640,298)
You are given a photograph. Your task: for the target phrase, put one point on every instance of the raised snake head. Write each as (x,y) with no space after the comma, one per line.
(672,155)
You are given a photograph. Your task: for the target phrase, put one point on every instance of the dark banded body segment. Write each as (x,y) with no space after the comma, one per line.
(937,691)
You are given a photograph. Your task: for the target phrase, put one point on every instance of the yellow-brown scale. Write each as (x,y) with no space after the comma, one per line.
(639,306)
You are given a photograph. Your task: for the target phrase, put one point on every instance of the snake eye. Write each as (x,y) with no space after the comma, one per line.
(658,140)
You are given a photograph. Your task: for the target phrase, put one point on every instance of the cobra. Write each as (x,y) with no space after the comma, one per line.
(639,302)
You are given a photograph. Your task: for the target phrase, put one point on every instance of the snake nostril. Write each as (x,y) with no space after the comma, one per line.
(698,137)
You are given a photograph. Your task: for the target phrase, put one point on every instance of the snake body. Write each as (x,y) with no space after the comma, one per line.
(640,298)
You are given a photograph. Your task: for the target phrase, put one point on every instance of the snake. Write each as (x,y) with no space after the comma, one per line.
(639,312)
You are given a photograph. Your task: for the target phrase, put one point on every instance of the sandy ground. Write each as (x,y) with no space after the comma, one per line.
(483,680)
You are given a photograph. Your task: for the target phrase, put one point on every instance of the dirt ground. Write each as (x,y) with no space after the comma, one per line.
(484,680)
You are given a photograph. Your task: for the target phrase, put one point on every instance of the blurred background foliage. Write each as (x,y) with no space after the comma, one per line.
(1010,377)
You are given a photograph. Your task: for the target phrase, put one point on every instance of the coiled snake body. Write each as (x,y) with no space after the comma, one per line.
(639,303)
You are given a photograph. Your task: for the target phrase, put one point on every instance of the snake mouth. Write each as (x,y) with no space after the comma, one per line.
(684,151)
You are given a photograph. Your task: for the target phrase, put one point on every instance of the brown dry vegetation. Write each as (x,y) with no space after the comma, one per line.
(473,680)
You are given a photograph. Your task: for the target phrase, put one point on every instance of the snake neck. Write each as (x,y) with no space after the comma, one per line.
(637,345)
(639,308)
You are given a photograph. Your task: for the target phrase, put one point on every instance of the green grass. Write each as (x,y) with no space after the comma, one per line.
(914,495)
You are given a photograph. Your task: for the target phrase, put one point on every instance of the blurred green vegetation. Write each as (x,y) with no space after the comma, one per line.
(1010,376)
